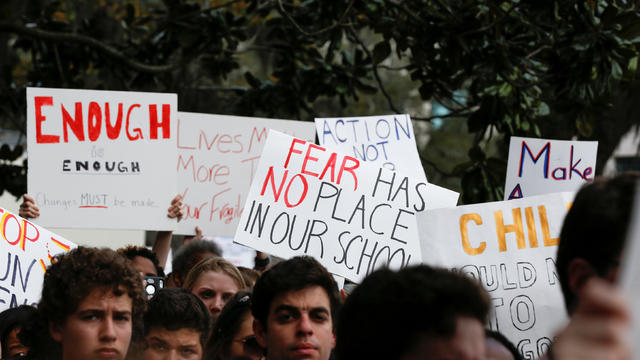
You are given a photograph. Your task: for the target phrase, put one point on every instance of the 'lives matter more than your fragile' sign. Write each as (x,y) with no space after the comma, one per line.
(510,247)
(102,159)
(386,140)
(352,216)
(542,166)
(217,158)
(25,253)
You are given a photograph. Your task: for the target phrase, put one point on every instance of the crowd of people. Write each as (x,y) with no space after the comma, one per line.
(94,304)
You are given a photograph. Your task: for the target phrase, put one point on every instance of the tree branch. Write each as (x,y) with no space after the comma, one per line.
(84,40)
(375,72)
(328,28)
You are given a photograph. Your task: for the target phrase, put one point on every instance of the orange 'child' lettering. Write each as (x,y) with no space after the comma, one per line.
(41,101)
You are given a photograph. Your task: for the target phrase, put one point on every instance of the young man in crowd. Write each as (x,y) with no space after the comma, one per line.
(412,313)
(594,233)
(426,313)
(143,259)
(91,307)
(176,326)
(294,308)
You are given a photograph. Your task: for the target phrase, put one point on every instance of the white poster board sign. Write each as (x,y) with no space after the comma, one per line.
(238,255)
(387,141)
(542,166)
(352,216)
(101,159)
(630,274)
(25,251)
(217,157)
(510,247)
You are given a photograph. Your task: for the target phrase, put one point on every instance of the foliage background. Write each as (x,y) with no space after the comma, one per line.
(556,69)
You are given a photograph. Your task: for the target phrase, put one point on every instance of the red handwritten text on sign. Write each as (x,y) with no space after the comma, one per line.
(95,114)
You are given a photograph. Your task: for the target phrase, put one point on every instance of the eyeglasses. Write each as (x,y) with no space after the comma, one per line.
(250,346)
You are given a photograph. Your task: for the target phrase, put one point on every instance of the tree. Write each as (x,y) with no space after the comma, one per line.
(553,68)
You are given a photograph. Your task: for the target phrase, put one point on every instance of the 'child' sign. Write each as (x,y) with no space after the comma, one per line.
(510,248)
(542,166)
(352,216)
(101,159)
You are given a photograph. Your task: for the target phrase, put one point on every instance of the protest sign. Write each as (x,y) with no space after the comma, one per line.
(387,141)
(101,159)
(350,215)
(542,166)
(27,249)
(510,247)
(238,255)
(630,273)
(217,157)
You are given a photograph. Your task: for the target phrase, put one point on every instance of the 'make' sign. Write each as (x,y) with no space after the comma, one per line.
(510,248)
(102,159)
(352,216)
(541,166)
(388,141)
(26,250)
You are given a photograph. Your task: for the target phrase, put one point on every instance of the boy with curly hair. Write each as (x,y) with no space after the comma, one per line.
(92,305)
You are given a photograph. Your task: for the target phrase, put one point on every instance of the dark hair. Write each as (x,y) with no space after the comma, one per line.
(490,334)
(228,325)
(389,312)
(175,309)
(131,252)
(294,274)
(68,281)
(250,276)
(14,318)
(595,228)
(189,255)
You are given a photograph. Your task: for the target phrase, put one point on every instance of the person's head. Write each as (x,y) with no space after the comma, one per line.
(294,305)
(189,255)
(11,323)
(144,260)
(176,326)
(593,233)
(92,302)
(232,336)
(412,313)
(214,280)
(250,276)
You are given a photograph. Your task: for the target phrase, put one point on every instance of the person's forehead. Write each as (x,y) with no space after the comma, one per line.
(144,265)
(306,298)
(103,296)
(179,337)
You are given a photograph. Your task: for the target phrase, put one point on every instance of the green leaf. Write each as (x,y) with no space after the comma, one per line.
(381,51)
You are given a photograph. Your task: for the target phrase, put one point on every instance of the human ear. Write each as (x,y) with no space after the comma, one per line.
(579,271)
(55,330)
(260,332)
